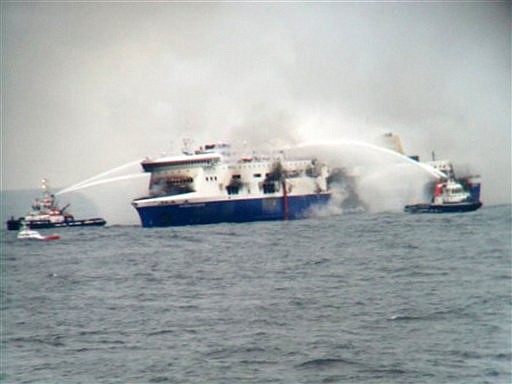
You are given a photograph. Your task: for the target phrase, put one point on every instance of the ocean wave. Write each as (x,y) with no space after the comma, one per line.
(326,363)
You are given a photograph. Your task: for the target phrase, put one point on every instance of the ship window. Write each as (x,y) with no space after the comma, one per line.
(269,188)
(171,185)
(237,177)
(232,190)
(257,175)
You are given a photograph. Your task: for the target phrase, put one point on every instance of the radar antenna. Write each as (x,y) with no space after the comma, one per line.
(187,146)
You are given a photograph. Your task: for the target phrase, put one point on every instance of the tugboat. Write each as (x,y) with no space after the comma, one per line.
(47,214)
(450,194)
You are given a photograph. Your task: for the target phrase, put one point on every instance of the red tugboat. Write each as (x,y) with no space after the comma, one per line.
(47,214)
(450,194)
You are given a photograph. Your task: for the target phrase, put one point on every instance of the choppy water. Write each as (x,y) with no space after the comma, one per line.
(382,298)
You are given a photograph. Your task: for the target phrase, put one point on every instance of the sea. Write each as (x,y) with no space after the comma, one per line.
(347,298)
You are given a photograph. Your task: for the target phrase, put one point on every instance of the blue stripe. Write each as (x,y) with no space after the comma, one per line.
(475,191)
(270,208)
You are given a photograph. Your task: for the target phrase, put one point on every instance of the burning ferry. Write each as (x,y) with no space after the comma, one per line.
(212,185)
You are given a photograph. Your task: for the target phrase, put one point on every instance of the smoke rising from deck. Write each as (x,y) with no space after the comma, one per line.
(382,179)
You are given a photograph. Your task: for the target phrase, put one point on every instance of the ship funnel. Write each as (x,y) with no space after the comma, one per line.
(474,188)
(392,141)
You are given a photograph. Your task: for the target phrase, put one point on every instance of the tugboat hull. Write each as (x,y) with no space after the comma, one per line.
(15,224)
(443,208)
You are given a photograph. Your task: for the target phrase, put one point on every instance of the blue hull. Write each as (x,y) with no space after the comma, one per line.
(443,208)
(237,211)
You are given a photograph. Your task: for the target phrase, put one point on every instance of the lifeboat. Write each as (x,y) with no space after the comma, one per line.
(29,234)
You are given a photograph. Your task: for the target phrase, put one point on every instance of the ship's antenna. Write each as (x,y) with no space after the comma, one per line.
(187,145)
(433,156)
(44,186)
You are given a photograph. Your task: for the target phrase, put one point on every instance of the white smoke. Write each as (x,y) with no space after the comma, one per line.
(384,180)
(100,83)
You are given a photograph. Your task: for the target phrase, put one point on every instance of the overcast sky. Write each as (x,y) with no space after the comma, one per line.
(90,86)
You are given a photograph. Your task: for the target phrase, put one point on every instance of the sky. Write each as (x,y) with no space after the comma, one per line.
(89,86)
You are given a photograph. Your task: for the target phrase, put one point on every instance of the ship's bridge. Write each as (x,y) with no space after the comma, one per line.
(200,160)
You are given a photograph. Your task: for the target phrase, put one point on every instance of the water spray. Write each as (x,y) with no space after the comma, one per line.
(354,143)
(383,183)
(111,192)
(95,180)
(83,185)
